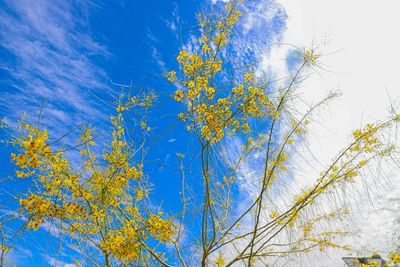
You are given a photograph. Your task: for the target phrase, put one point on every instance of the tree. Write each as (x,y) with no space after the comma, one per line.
(102,203)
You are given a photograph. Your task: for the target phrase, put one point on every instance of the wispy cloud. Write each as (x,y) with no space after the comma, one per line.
(48,52)
(258,37)
(265,33)
(54,262)
(373,199)
(50,55)
(174,23)
(366,89)
(155,52)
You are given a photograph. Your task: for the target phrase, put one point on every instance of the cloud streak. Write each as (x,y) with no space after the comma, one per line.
(366,79)
(373,223)
(50,55)
(54,262)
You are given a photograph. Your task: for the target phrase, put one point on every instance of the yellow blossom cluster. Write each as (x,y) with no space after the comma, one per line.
(212,110)
(35,150)
(220,260)
(348,165)
(123,243)
(38,208)
(97,201)
(5,249)
(366,139)
(373,263)
(394,258)
(310,57)
(159,228)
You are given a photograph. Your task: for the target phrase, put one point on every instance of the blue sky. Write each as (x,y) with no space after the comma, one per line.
(72,56)
(68,54)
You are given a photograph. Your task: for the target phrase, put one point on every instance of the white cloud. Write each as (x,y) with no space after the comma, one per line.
(155,53)
(54,262)
(50,56)
(365,69)
(174,23)
(215,1)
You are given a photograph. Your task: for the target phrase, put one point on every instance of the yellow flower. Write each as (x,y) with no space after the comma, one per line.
(310,56)
(161,229)
(205,49)
(220,261)
(248,77)
(5,248)
(120,108)
(216,66)
(221,40)
(140,195)
(273,214)
(190,84)
(178,95)
(172,76)
(133,173)
(219,25)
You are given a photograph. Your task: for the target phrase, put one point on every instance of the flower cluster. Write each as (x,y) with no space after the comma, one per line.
(310,57)
(159,228)
(99,201)
(394,258)
(212,110)
(123,243)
